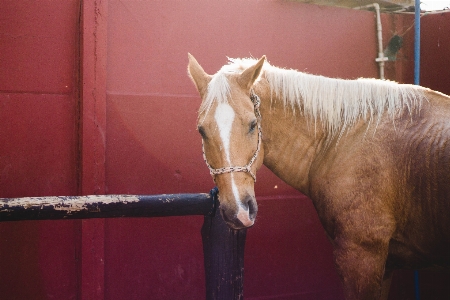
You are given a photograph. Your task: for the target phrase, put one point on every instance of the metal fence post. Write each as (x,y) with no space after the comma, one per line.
(223,251)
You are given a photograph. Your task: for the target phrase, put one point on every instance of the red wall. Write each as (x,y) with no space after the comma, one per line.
(435,58)
(95,99)
(38,144)
(434,49)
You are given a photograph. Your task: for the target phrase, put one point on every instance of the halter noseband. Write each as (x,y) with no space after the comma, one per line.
(247,168)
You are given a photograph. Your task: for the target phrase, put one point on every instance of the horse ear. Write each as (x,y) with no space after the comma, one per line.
(249,76)
(198,75)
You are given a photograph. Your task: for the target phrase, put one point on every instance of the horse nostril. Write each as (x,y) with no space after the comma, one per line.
(251,212)
(250,204)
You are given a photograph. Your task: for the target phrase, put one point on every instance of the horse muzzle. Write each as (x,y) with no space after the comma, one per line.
(243,215)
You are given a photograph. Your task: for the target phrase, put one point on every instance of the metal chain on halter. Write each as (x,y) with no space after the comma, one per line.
(247,168)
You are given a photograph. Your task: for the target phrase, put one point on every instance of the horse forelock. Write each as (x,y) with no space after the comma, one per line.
(219,87)
(337,103)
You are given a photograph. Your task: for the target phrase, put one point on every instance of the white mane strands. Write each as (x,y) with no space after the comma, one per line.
(338,103)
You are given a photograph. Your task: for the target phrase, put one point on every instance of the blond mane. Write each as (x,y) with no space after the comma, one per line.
(338,103)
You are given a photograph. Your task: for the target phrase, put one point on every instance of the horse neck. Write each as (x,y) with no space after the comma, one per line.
(291,143)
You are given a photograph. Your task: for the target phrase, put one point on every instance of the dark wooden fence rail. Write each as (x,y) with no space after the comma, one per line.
(223,248)
(105,206)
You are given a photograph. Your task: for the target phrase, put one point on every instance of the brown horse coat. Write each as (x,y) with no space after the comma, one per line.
(380,182)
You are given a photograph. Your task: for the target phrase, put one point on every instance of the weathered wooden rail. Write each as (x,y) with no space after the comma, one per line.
(105,206)
(223,248)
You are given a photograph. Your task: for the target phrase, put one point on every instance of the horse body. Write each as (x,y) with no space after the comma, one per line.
(381,193)
(379,182)
(422,155)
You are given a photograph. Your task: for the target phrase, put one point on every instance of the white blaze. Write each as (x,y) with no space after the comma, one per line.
(224,117)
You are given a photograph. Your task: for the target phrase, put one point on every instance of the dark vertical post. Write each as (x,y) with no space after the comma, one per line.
(223,250)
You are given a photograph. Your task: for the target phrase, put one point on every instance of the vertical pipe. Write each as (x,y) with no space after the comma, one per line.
(417,42)
(417,82)
(416,285)
(381,59)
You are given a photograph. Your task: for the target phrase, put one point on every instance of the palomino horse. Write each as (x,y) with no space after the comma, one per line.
(373,156)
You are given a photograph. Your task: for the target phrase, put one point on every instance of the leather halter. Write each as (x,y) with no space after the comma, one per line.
(247,168)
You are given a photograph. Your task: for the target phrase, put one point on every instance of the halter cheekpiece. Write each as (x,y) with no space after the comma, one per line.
(247,168)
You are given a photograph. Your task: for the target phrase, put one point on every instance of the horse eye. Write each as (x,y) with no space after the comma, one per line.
(201,130)
(253,125)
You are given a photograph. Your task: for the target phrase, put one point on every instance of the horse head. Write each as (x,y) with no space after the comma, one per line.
(229,124)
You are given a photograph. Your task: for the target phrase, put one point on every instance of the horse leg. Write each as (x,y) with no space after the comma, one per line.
(361,269)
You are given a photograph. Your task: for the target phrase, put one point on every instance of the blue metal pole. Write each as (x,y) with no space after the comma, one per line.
(416,285)
(417,42)
(416,81)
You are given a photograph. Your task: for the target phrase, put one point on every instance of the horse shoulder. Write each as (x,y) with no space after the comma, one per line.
(351,186)
(351,192)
